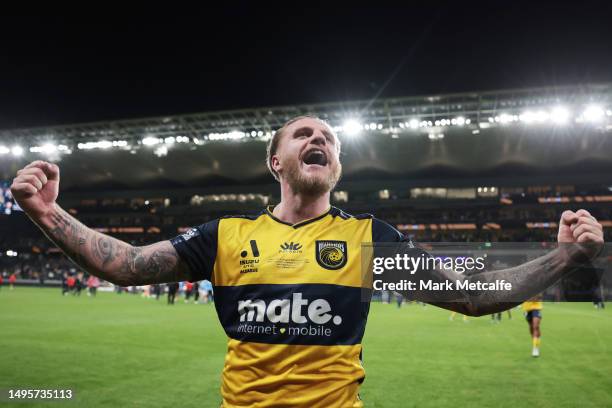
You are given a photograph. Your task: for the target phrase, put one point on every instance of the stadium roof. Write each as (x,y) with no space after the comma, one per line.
(389,112)
(527,129)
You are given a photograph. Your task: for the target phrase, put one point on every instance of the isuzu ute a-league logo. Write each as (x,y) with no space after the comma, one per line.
(331,254)
(250,264)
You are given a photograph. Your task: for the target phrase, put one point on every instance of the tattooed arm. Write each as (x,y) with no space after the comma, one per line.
(526,281)
(111,259)
(36,188)
(580,240)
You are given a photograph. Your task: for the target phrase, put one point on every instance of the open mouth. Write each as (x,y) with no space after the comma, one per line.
(315,156)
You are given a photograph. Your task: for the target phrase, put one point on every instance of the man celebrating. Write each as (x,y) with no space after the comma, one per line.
(287,281)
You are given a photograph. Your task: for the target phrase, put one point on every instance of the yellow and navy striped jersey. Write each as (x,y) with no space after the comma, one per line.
(532,305)
(289,298)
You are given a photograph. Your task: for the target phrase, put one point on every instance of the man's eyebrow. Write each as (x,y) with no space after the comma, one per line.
(300,129)
(325,131)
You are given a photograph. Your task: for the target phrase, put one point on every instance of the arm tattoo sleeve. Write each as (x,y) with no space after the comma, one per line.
(527,280)
(111,259)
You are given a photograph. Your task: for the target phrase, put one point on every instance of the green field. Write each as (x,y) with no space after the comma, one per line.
(123,350)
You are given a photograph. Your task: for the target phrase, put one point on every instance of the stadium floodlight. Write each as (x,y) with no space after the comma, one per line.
(233,135)
(48,148)
(504,118)
(169,140)
(150,141)
(541,116)
(4,150)
(459,121)
(102,144)
(593,113)
(414,123)
(527,117)
(17,151)
(352,127)
(559,115)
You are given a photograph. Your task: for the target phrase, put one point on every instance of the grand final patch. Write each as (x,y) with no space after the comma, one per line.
(331,254)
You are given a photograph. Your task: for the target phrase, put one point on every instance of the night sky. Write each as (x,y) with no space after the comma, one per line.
(58,70)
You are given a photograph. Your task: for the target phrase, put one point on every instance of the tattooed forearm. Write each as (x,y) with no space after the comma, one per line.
(103,249)
(526,280)
(69,235)
(111,259)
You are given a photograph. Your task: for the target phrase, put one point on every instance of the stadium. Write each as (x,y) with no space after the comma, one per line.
(251,206)
(417,162)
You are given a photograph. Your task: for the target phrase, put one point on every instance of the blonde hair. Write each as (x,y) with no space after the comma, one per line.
(275,140)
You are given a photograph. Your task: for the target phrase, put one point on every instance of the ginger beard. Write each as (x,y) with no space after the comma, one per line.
(311,181)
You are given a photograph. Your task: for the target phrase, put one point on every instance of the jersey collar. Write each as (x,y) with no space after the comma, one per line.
(331,210)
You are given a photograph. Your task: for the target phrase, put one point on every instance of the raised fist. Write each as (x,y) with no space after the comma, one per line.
(36,188)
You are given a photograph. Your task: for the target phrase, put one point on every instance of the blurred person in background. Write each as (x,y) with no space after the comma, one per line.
(533,315)
(196,292)
(173,287)
(93,282)
(12,279)
(188,289)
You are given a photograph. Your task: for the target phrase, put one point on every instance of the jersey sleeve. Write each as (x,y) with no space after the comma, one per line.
(383,232)
(198,249)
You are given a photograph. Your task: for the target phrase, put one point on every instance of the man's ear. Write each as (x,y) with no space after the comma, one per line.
(275,162)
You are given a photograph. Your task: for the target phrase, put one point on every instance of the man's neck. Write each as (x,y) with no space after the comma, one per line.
(295,208)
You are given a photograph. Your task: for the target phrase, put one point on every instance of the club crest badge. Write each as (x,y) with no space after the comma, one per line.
(331,254)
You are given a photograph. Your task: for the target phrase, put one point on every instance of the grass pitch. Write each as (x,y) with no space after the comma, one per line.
(123,350)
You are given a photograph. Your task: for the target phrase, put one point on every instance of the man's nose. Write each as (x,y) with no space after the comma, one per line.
(318,138)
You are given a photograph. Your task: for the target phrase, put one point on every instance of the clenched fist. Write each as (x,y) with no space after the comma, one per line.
(582,228)
(36,188)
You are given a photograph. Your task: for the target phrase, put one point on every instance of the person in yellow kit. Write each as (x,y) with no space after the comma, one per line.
(533,314)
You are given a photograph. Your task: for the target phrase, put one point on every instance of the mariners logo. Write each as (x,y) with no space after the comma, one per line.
(331,254)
